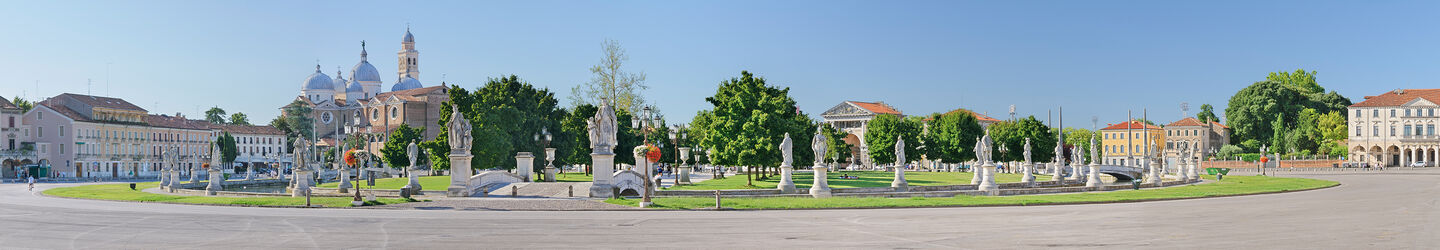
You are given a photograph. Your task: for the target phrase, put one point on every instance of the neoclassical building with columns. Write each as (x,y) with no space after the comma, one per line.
(1396,128)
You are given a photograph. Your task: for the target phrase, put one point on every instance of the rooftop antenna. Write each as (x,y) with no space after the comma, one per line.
(1012,112)
(1094,122)
(1184,109)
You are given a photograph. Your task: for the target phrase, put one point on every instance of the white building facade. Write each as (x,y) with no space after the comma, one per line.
(1396,128)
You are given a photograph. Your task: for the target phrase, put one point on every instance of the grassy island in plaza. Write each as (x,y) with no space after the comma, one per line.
(440,183)
(803,180)
(1232,185)
(122,192)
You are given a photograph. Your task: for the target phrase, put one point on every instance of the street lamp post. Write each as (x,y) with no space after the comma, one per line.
(645,121)
(544,137)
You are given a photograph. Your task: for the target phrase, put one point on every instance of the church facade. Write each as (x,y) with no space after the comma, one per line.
(365,107)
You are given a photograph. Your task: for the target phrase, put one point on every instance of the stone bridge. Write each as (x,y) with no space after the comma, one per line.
(628,182)
(1121,173)
(485,182)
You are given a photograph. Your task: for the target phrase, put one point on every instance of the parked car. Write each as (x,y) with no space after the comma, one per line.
(1419,164)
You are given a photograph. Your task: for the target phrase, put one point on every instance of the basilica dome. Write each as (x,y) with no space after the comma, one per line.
(318,81)
(363,71)
(406,84)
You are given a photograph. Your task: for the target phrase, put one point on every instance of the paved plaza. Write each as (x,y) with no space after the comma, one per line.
(1395,209)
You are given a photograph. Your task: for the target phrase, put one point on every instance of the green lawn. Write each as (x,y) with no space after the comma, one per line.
(866,179)
(122,192)
(427,183)
(1233,185)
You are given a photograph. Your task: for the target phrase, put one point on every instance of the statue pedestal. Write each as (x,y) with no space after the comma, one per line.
(174,180)
(821,188)
(1058,172)
(900,184)
(194,177)
(987,182)
(977,176)
(602,169)
(550,172)
(412,188)
(1075,172)
(684,175)
(164,179)
(525,166)
(344,180)
(1153,177)
(250,172)
(1093,178)
(1181,173)
(787,185)
(1029,178)
(1194,171)
(460,173)
(302,184)
(215,184)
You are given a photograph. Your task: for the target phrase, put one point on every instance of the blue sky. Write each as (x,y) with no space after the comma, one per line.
(1096,58)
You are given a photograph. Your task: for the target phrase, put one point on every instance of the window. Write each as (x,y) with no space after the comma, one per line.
(1392,113)
(374,114)
(1419,130)
(1392,127)
(62,134)
(1357,131)
(394,112)
(1374,113)
(40,132)
(1407,130)
(1430,129)
(1430,113)
(1407,112)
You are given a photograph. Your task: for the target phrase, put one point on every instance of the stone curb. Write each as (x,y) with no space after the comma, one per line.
(1007,205)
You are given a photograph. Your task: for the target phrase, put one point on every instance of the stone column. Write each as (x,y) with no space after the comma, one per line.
(460,173)
(988,182)
(602,168)
(821,188)
(525,166)
(344,178)
(217,179)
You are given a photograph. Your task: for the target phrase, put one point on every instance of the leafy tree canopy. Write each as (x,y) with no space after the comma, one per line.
(1011,135)
(1207,114)
(748,121)
(215,115)
(952,137)
(881,134)
(395,151)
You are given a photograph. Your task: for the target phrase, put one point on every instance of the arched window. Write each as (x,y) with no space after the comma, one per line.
(394,112)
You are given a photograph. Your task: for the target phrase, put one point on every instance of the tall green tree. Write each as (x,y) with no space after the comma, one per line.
(1011,136)
(952,137)
(748,121)
(881,134)
(506,115)
(611,81)
(228,151)
(1207,114)
(395,153)
(297,118)
(836,148)
(1301,81)
(1253,111)
(239,118)
(215,115)
(1080,137)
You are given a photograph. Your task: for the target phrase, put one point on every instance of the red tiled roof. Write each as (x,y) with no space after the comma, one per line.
(1218,124)
(1188,121)
(103,102)
(63,110)
(977,115)
(1399,97)
(250,130)
(6,104)
(1134,124)
(167,121)
(876,107)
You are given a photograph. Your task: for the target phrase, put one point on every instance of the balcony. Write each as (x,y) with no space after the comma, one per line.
(17,154)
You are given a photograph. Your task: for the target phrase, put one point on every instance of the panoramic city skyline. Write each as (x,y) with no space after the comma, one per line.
(1093,58)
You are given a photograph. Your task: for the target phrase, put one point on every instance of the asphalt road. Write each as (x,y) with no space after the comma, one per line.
(1369,211)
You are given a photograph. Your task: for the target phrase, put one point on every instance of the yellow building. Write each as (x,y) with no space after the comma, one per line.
(1124,143)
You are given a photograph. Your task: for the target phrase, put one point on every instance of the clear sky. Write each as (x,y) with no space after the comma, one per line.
(1096,58)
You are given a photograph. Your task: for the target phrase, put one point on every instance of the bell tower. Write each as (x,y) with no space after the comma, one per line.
(409,58)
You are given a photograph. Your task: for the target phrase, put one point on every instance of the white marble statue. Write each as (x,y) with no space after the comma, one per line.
(900,184)
(818,146)
(821,187)
(460,138)
(786,147)
(1027,150)
(602,129)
